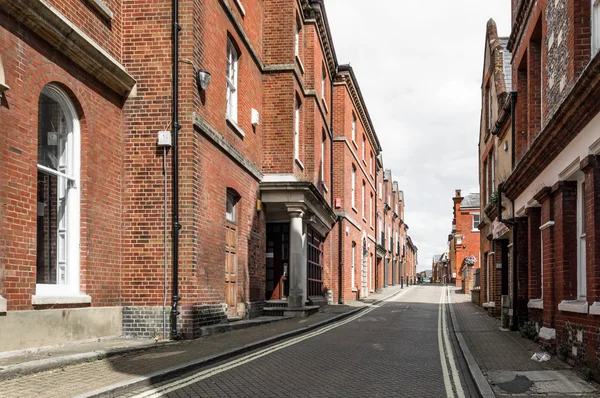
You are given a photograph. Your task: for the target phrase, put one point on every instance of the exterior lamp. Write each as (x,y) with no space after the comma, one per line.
(203,79)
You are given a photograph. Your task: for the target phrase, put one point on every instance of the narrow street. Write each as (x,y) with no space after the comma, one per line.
(391,349)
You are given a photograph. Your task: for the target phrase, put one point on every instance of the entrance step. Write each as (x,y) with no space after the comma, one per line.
(241,324)
(301,312)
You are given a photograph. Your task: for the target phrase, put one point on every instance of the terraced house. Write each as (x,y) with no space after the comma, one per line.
(260,195)
(551,192)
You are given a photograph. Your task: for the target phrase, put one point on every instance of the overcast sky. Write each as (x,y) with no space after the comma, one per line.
(419,66)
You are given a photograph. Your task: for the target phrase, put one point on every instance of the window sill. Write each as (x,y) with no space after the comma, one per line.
(355,144)
(578,306)
(324,186)
(237,129)
(299,163)
(364,162)
(355,209)
(373,228)
(364,220)
(49,300)
(299,61)
(536,303)
(354,289)
(595,308)
(490,304)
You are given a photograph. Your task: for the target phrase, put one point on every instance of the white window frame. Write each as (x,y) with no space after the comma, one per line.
(297,129)
(595,28)
(581,240)
(323,71)
(363,199)
(71,180)
(380,190)
(353,128)
(232,82)
(353,187)
(371,164)
(352,276)
(478,221)
(489,106)
(363,147)
(297,39)
(370,208)
(389,235)
(230,206)
(323,142)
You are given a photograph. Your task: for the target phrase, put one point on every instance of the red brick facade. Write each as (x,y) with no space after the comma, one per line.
(265,159)
(551,190)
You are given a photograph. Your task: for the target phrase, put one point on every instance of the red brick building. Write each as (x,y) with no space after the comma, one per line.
(356,148)
(265,158)
(495,164)
(464,240)
(552,188)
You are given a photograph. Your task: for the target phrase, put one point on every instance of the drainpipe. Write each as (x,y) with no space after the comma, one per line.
(515,228)
(331,137)
(176,127)
(340,262)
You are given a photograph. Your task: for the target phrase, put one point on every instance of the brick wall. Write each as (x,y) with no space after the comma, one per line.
(30,64)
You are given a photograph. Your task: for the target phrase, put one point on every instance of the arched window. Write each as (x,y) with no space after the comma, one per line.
(58,165)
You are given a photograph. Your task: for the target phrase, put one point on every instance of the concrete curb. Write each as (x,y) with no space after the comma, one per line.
(11,371)
(481,382)
(162,375)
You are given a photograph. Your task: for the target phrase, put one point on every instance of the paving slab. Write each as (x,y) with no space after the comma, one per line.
(504,357)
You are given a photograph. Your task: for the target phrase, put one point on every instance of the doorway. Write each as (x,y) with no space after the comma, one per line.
(278,250)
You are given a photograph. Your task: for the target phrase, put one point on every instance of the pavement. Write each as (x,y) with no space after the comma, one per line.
(109,367)
(500,361)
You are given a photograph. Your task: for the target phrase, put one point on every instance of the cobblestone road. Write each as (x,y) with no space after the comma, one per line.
(391,351)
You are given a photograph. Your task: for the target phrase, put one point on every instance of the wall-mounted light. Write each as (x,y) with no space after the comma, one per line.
(203,79)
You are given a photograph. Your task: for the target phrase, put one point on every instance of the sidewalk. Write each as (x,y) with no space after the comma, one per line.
(500,361)
(104,367)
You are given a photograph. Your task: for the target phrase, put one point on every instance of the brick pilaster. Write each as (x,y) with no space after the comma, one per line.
(520,261)
(565,240)
(544,198)
(591,167)
(534,251)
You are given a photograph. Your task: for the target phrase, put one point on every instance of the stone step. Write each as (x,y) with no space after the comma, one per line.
(301,312)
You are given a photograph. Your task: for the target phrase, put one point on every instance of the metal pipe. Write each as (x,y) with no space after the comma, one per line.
(340,261)
(164,335)
(176,127)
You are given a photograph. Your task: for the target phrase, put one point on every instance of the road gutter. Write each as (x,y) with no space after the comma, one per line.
(481,382)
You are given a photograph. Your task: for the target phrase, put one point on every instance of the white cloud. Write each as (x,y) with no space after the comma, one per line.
(419,66)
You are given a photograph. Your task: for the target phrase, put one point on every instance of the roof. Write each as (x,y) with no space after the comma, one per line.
(471,201)
(437,257)
(506,57)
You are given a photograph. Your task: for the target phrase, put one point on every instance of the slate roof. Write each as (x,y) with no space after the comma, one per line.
(437,257)
(471,201)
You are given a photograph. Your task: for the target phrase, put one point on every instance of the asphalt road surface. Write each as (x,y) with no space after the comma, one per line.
(403,347)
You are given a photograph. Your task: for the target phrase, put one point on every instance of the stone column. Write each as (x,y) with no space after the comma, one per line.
(297,271)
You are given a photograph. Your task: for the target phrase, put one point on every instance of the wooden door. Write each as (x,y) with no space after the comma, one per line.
(231,268)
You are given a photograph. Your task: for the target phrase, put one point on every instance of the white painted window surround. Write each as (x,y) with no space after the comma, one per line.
(595,26)
(59,163)
(476,221)
(297,130)
(353,128)
(232,82)
(352,276)
(353,198)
